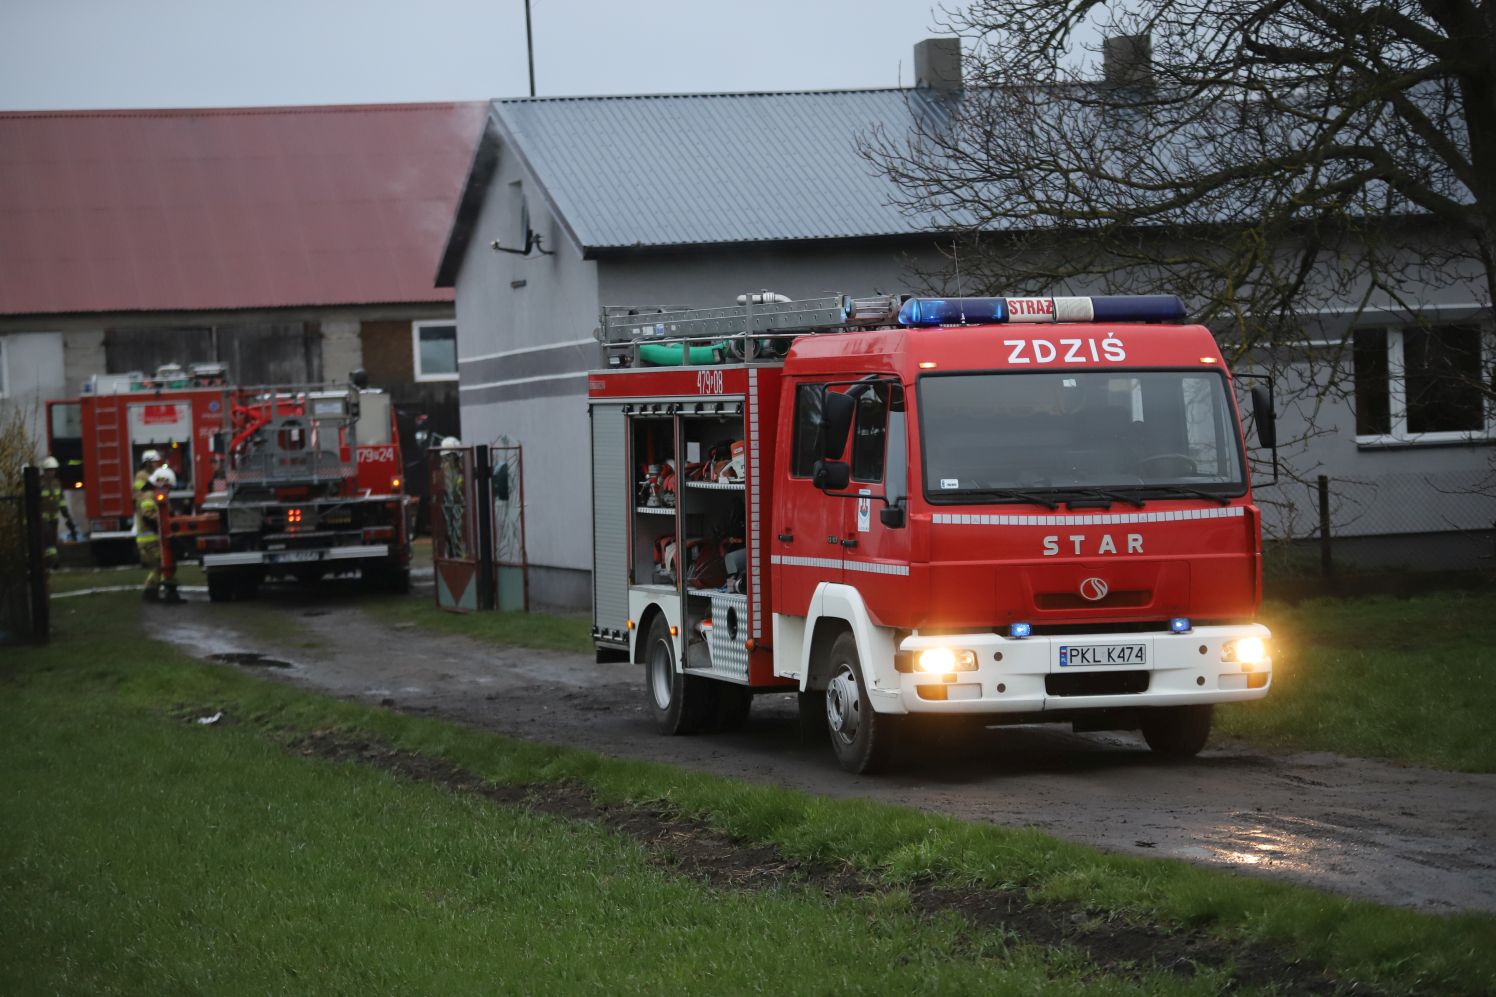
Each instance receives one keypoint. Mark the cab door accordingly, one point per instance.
(876, 555)
(807, 527)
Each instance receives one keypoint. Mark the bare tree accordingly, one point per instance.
(1265, 161)
(1281, 166)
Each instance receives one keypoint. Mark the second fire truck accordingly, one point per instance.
(998, 510)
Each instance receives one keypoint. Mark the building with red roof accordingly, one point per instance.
(293, 244)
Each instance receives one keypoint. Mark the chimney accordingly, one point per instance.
(1127, 61)
(937, 64)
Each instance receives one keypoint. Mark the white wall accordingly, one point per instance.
(32, 374)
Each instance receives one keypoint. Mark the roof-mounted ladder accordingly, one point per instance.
(754, 329)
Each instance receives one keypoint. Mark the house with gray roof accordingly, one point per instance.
(689, 200)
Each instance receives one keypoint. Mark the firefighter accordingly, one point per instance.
(149, 461)
(54, 510)
(150, 503)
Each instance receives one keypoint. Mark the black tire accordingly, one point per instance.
(221, 586)
(247, 584)
(861, 739)
(812, 704)
(681, 704)
(734, 703)
(385, 580)
(1177, 731)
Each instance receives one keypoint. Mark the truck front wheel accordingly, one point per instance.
(681, 704)
(861, 739)
(1177, 731)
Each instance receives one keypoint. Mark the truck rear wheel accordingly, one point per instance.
(734, 703)
(1177, 731)
(220, 586)
(682, 704)
(861, 739)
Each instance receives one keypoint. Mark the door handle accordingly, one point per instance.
(849, 543)
(786, 538)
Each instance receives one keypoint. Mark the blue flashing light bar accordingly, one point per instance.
(1180, 625)
(1018, 631)
(984, 311)
(953, 311)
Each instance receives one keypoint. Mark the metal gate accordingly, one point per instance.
(456, 544)
(24, 609)
(511, 564)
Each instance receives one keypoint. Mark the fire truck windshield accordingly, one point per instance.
(1022, 437)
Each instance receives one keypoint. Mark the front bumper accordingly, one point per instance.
(1022, 676)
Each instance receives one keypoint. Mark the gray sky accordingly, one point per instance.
(62, 54)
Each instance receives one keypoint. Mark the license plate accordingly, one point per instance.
(283, 556)
(1103, 654)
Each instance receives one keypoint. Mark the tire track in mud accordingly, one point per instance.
(689, 847)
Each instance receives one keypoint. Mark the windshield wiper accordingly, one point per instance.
(1105, 494)
(1004, 493)
(1187, 490)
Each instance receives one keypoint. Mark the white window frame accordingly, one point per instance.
(415, 348)
(1397, 398)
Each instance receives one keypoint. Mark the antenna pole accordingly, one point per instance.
(530, 48)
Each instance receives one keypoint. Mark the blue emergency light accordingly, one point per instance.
(1018, 631)
(1180, 625)
(984, 311)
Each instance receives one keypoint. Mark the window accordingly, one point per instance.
(435, 350)
(1421, 385)
(1002, 437)
(870, 434)
(807, 429)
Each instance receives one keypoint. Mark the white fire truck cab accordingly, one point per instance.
(1000, 510)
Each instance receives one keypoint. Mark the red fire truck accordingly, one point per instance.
(295, 481)
(101, 437)
(310, 486)
(990, 510)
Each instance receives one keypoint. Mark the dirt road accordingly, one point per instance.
(1411, 837)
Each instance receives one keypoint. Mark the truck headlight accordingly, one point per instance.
(1245, 650)
(944, 660)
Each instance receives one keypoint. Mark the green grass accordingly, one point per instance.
(79, 579)
(539, 630)
(1409, 680)
(146, 854)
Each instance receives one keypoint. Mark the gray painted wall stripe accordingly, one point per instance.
(573, 385)
(568, 359)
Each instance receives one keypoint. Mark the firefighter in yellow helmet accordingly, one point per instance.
(54, 509)
(148, 539)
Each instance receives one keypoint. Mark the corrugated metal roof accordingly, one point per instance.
(227, 208)
(716, 168)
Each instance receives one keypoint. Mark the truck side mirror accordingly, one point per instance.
(831, 475)
(836, 423)
(892, 517)
(1265, 418)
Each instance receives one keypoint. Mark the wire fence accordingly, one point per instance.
(1441, 521)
